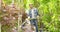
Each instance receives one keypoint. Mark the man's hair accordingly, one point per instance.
(30, 4)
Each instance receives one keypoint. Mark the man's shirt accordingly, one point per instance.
(33, 13)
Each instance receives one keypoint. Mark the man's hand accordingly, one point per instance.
(28, 18)
(37, 17)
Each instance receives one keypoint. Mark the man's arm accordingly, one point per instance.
(28, 14)
(37, 13)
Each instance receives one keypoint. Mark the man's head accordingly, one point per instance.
(31, 6)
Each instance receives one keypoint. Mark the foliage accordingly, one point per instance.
(49, 11)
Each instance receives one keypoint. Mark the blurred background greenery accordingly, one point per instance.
(49, 11)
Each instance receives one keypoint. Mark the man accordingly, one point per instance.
(32, 15)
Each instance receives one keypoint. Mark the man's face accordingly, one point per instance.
(31, 5)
